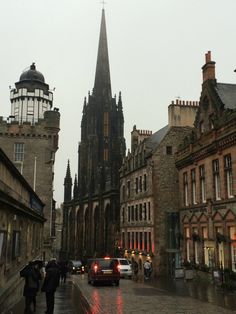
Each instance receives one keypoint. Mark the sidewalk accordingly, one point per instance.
(68, 299)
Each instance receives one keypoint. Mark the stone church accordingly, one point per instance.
(91, 215)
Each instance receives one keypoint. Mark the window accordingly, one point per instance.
(168, 150)
(193, 186)
(204, 233)
(145, 211)
(136, 185)
(2, 245)
(123, 192)
(132, 240)
(185, 189)
(141, 240)
(123, 215)
(16, 244)
(123, 239)
(149, 211)
(132, 213)
(19, 152)
(128, 188)
(202, 128)
(136, 212)
(145, 241)
(140, 212)
(128, 213)
(105, 124)
(145, 182)
(128, 234)
(228, 176)
(216, 178)
(202, 184)
(140, 183)
(150, 241)
(136, 234)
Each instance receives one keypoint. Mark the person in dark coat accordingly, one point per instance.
(51, 282)
(32, 277)
(63, 270)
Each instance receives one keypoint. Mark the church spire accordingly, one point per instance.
(102, 85)
(67, 184)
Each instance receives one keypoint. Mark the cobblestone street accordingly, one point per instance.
(136, 297)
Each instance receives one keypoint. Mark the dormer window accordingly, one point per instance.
(202, 128)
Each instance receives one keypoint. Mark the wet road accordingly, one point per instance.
(156, 297)
(68, 300)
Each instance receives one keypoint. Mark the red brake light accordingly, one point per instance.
(95, 268)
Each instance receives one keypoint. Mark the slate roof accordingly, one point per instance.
(227, 93)
(155, 139)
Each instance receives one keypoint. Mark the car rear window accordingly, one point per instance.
(106, 264)
(124, 262)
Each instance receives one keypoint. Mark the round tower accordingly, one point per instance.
(31, 97)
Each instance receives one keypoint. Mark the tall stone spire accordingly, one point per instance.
(102, 85)
(67, 184)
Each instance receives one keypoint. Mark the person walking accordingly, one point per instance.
(32, 277)
(50, 284)
(63, 270)
(147, 269)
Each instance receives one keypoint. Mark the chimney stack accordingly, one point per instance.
(208, 70)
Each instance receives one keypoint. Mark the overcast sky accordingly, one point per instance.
(156, 51)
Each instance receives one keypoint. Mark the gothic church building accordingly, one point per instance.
(91, 214)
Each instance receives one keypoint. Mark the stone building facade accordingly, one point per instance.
(149, 192)
(29, 137)
(21, 230)
(207, 177)
(91, 218)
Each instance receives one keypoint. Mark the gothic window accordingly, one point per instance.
(228, 175)
(193, 186)
(202, 184)
(19, 152)
(216, 179)
(105, 154)
(128, 188)
(202, 128)
(185, 188)
(132, 240)
(205, 103)
(105, 124)
(123, 192)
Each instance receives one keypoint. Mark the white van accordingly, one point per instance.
(125, 267)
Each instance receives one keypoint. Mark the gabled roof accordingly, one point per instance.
(155, 139)
(227, 94)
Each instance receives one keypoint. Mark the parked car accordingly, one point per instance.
(76, 267)
(103, 270)
(125, 268)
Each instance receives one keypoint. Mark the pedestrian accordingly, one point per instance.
(135, 269)
(147, 269)
(63, 270)
(32, 277)
(50, 284)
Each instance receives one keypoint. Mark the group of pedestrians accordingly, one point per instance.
(147, 267)
(32, 274)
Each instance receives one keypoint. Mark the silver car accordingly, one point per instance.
(124, 267)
